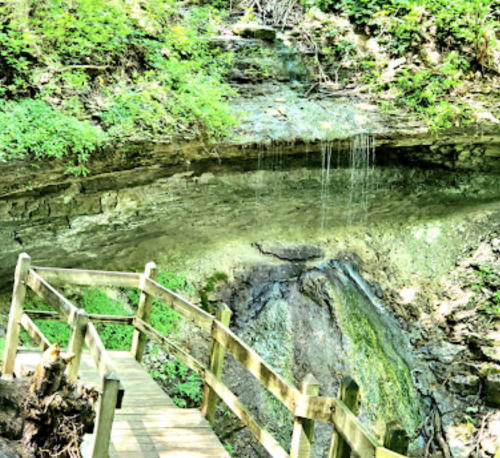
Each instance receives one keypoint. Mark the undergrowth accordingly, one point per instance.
(441, 45)
(98, 72)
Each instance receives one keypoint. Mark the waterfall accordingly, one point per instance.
(362, 161)
(326, 161)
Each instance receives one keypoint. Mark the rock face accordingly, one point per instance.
(254, 30)
(317, 320)
(290, 252)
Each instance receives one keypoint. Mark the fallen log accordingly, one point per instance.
(58, 411)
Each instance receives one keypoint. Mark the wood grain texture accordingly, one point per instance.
(88, 277)
(145, 429)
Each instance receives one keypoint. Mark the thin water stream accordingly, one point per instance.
(212, 207)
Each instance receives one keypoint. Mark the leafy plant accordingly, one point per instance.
(184, 386)
(137, 70)
(31, 127)
(229, 449)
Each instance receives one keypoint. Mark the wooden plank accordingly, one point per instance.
(34, 332)
(38, 315)
(98, 352)
(382, 452)
(51, 296)
(88, 277)
(105, 416)
(303, 429)
(111, 319)
(173, 349)
(16, 312)
(76, 342)
(396, 438)
(362, 443)
(203, 319)
(217, 352)
(143, 312)
(268, 442)
(277, 385)
(349, 394)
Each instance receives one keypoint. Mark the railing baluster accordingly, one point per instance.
(16, 312)
(303, 429)
(105, 416)
(144, 311)
(396, 438)
(349, 394)
(79, 328)
(217, 352)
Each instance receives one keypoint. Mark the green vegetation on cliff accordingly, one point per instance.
(78, 75)
(423, 55)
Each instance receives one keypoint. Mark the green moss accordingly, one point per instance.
(383, 374)
(275, 344)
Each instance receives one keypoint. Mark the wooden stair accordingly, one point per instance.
(149, 424)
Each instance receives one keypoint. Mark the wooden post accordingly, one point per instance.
(16, 312)
(349, 394)
(217, 352)
(105, 416)
(303, 429)
(396, 438)
(76, 341)
(144, 312)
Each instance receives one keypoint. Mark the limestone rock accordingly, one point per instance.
(492, 390)
(254, 30)
(290, 252)
(465, 384)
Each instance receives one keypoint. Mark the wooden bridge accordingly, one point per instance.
(135, 418)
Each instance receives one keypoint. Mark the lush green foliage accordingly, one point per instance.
(35, 127)
(445, 43)
(184, 386)
(114, 337)
(139, 70)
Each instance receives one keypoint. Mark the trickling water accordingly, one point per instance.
(326, 161)
(362, 167)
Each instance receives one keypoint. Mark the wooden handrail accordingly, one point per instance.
(88, 277)
(94, 318)
(34, 332)
(230, 399)
(183, 307)
(330, 410)
(49, 294)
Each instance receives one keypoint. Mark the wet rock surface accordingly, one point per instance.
(290, 252)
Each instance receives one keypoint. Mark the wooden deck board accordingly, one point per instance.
(149, 425)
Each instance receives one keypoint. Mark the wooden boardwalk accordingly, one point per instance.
(149, 424)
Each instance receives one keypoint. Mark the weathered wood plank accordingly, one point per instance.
(217, 352)
(303, 429)
(268, 442)
(51, 296)
(105, 416)
(88, 277)
(144, 311)
(203, 319)
(34, 332)
(76, 342)
(382, 452)
(16, 312)
(362, 443)
(349, 394)
(37, 315)
(98, 352)
(278, 386)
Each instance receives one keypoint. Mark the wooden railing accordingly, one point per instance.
(305, 404)
(83, 330)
